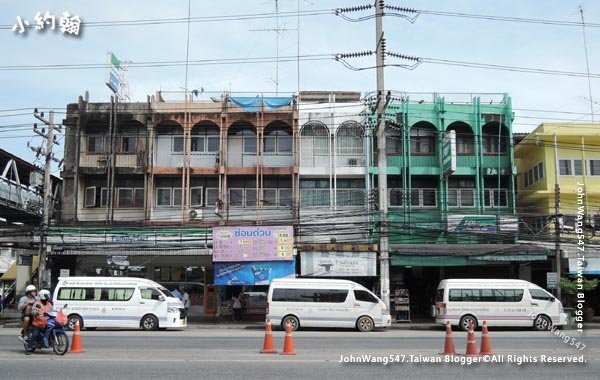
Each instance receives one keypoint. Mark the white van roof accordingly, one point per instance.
(484, 282)
(315, 281)
(106, 280)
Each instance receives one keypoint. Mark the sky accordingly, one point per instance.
(536, 97)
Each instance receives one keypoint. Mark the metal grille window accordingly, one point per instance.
(130, 197)
(196, 196)
(314, 192)
(178, 144)
(395, 197)
(350, 192)
(350, 139)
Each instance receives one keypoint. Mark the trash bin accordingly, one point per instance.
(568, 325)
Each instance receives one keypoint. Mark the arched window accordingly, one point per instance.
(422, 139)
(350, 139)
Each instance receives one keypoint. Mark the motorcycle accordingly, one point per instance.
(54, 334)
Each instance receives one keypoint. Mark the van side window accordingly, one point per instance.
(95, 294)
(310, 295)
(364, 296)
(150, 294)
(439, 295)
(485, 295)
(538, 294)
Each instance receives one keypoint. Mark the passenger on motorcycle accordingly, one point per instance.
(40, 319)
(25, 304)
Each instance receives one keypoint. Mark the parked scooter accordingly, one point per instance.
(54, 333)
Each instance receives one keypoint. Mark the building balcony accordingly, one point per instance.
(492, 160)
(278, 159)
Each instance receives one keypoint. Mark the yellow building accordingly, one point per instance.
(561, 161)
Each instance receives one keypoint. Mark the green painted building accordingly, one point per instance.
(451, 188)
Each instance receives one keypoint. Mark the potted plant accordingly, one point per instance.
(570, 289)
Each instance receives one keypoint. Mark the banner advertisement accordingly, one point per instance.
(253, 272)
(482, 223)
(257, 243)
(338, 264)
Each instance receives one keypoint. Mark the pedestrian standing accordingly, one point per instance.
(1, 303)
(185, 298)
(236, 305)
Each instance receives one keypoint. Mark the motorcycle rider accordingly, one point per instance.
(25, 304)
(40, 320)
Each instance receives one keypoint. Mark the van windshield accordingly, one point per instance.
(166, 292)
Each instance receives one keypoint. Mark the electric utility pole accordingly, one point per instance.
(49, 157)
(384, 256)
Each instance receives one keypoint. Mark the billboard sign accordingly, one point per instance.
(338, 264)
(256, 243)
(253, 272)
(113, 73)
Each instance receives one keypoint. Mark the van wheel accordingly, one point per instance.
(466, 320)
(72, 321)
(364, 324)
(149, 323)
(542, 323)
(292, 320)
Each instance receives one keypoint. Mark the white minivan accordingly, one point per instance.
(307, 302)
(499, 302)
(125, 302)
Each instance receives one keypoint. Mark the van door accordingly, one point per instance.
(543, 302)
(150, 303)
(366, 304)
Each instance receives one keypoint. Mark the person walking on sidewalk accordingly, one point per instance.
(236, 305)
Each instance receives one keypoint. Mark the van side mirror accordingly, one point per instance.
(161, 297)
(552, 299)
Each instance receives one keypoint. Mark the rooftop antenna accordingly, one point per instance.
(587, 63)
(278, 30)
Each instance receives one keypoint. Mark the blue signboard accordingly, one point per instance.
(253, 272)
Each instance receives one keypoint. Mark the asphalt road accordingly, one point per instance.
(233, 354)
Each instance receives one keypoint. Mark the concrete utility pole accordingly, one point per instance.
(384, 258)
(47, 153)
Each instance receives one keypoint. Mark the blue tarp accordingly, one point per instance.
(253, 272)
(252, 104)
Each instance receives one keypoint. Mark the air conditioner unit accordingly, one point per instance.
(195, 214)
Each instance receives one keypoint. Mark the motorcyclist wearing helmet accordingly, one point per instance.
(40, 319)
(25, 304)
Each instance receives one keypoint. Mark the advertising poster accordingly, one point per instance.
(253, 272)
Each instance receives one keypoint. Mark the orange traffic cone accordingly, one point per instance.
(268, 345)
(449, 342)
(486, 344)
(76, 346)
(288, 342)
(471, 342)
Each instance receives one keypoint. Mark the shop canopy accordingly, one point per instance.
(11, 273)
